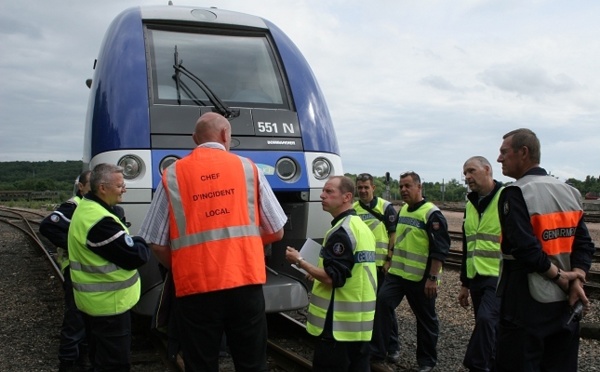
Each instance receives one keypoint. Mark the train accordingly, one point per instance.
(160, 67)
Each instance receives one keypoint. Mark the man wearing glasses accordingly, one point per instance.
(104, 259)
(422, 244)
(380, 215)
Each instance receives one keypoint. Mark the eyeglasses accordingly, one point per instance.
(364, 177)
(121, 186)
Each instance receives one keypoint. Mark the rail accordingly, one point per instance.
(28, 195)
(23, 224)
(283, 329)
(146, 348)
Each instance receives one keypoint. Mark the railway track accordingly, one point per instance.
(16, 218)
(146, 353)
(588, 216)
(592, 217)
(592, 287)
(289, 345)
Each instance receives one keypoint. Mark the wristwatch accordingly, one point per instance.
(433, 278)
(555, 279)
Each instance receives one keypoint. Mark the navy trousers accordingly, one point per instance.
(72, 333)
(393, 345)
(481, 350)
(336, 356)
(533, 336)
(390, 295)
(109, 339)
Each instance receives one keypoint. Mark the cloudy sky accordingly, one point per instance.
(411, 85)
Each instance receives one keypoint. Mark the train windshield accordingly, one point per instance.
(240, 69)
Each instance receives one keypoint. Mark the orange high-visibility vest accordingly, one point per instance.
(214, 222)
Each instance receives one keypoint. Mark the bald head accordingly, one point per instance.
(212, 127)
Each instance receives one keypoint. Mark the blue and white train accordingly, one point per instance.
(159, 68)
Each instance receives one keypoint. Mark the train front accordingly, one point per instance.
(160, 68)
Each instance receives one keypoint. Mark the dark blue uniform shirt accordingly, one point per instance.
(119, 251)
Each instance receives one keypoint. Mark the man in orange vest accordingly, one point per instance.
(547, 251)
(208, 222)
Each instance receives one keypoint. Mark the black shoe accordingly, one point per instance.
(381, 365)
(393, 357)
(425, 369)
(83, 366)
(83, 363)
(67, 366)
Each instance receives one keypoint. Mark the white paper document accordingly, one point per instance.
(310, 252)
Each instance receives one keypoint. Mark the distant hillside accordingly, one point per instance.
(39, 176)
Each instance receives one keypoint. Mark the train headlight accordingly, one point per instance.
(132, 166)
(321, 168)
(166, 162)
(286, 169)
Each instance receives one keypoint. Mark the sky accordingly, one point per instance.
(410, 85)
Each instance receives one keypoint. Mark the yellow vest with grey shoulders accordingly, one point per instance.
(101, 288)
(377, 227)
(353, 304)
(411, 250)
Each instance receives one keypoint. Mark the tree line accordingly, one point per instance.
(40, 176)
(456, 191)
(60, 176)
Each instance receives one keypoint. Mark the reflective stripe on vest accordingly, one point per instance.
(62, 255)
(555, 211)
(483, 239)
(377, 227)
(411, 250)
(217, 212)
(100, 287)
(354, 303)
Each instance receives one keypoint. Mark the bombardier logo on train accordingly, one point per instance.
(159, 68)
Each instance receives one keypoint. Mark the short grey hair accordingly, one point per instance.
(101, 174)
(483, 161)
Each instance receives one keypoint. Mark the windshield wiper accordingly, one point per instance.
(220, 106)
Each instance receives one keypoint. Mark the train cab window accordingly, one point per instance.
(240, 69)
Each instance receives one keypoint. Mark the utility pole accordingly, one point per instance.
(387, 195)
(443, 190)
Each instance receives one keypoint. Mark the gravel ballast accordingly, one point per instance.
(31, 313)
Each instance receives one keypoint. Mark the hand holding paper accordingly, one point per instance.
(309, 252)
